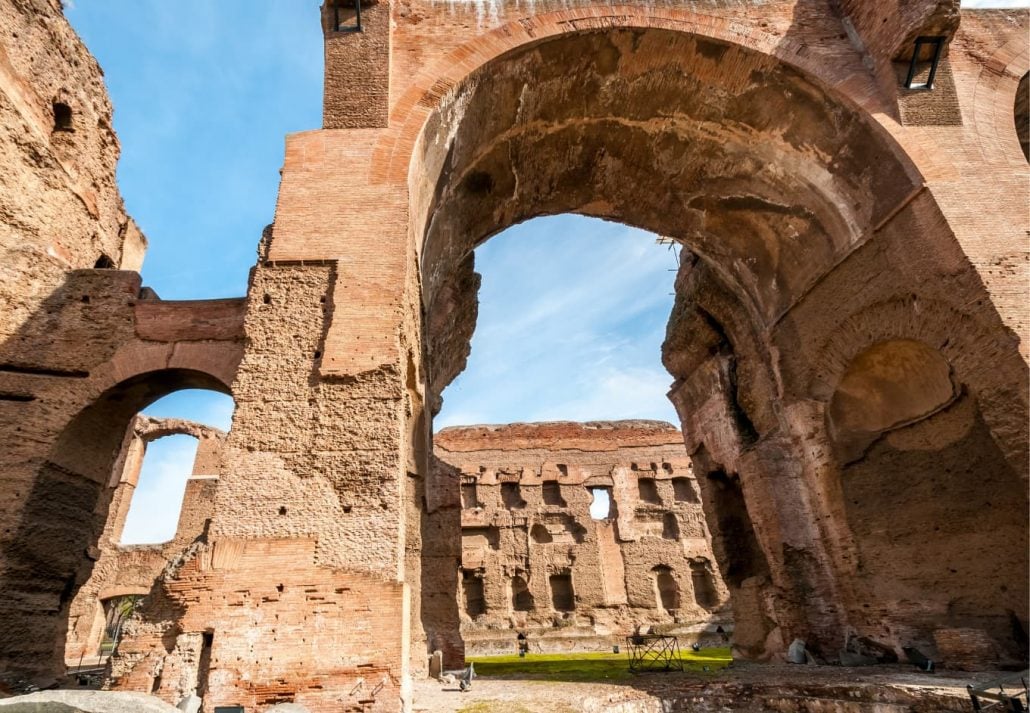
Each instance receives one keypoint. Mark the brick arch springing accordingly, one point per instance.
(49, 554)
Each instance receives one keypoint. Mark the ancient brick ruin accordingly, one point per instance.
(534, 561)
(131, 570)
(847, 352)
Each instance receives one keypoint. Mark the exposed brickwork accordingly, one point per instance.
(828, 224)
(133, 570)
(648, 565)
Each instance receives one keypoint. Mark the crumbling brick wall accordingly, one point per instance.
(535, 562)
(120, 569)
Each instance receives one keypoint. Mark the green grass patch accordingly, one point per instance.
(492, 707)
(586, 666)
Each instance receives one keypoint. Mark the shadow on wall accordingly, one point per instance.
(81, 368)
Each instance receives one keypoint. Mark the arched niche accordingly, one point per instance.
(936, 511)
(890, 384)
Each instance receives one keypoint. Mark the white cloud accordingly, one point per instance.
(994, 4)
(572, 317)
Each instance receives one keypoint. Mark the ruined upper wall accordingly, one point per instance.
(60, 208)
(558, 436)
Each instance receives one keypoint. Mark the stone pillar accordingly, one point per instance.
(763, 522)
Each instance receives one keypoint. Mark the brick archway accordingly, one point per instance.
(778, 221)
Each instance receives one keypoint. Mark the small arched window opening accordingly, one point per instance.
(666, 589)
(104, 263)
(63, 117)
(157, 498)
(165, 465)
(521, 597)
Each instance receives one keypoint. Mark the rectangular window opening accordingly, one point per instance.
(922, 69)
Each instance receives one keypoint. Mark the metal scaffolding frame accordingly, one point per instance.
(653, 652)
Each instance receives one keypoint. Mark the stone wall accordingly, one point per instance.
(535, 562)
(122, 570)
(836, 257)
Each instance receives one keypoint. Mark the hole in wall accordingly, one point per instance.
(666, 588)
(647, 489)
(670, 527)
(63, 117)
(479, 183)
(563, 596)
(472, 587)
(470, 495)
(601, 503)
(521, 597)
(683, 491)
(511, 496)
(703, 579)
(552, 494)
(104, 263)
(540, 534)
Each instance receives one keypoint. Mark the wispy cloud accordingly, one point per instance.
(572, 317)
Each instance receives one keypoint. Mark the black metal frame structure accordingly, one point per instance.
(938, 43)
(653, 652)
(357, 18)
(993, 696)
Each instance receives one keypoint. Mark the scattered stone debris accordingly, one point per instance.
(86, 702)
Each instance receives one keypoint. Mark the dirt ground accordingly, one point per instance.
(744, 688)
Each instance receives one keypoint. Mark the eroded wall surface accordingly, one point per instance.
(122, 570)
(83, 346)
(847, 350)
(534, 561)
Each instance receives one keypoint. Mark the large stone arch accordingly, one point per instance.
(797, 209)
(51, 553)
(328, 465)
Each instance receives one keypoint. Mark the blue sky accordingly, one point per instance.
(572, 310)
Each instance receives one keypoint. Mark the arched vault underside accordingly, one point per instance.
(809, 239)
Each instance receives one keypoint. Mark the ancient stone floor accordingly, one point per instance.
(784, 689)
